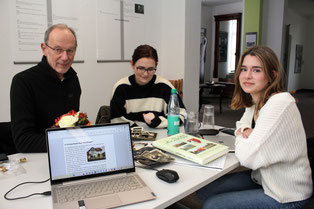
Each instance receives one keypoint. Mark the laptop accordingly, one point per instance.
(85, 162)
(225, 140)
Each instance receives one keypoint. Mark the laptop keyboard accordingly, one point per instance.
(99, 188)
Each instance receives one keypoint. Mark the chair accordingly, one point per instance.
(215, 91)
(6, 142)
(310, 153)
(103, 115)
(178, 84)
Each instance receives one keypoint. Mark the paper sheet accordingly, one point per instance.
(219, 163)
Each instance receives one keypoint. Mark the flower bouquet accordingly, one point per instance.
(72, 119)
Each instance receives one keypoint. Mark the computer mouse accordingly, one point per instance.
(167, 175)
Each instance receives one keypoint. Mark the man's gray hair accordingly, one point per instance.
(61, 26)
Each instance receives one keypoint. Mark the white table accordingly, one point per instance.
(191, 179)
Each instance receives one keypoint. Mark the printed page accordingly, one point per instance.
(217, 164)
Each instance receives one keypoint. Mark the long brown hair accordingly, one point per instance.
(272, 70)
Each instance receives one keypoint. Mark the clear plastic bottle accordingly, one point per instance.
(173, 114)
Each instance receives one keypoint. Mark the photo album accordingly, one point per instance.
(192, 148)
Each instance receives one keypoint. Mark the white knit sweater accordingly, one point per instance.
(276, 150)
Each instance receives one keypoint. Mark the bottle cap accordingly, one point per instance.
(173, 91)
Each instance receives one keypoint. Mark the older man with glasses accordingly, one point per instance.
(142, 97)
(44, 92)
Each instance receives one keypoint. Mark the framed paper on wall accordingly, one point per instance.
(250, 39)
(298, 58)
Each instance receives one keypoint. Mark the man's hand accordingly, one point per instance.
(148, 117)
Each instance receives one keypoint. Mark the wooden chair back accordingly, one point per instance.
(7, 145)
(178, 84)
(103, 115)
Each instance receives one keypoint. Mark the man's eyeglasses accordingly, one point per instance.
(59, 51)
(148, 70)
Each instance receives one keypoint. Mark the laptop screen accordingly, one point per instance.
(89, 150)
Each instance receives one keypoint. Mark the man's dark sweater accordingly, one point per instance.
(38, 97)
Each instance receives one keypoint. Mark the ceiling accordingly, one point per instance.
(301, 7)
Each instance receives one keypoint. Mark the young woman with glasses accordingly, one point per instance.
(143, 96)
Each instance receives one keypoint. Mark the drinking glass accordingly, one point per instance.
(208, 117)
(191, 124)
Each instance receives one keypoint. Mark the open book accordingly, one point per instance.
(198, 150)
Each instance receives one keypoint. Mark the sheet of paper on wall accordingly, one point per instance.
(29, 22)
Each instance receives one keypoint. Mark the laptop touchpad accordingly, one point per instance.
(103, 202)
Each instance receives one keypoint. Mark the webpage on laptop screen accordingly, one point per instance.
(85, 151)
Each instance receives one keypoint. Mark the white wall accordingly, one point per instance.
(166, 31)
(217, 10)
(7, 70)
(172, 38)
(180, 43)
(192, 54)
(300, 30)
(272, 25)
(275, 16)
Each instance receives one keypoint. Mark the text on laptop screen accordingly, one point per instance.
(90, 150)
